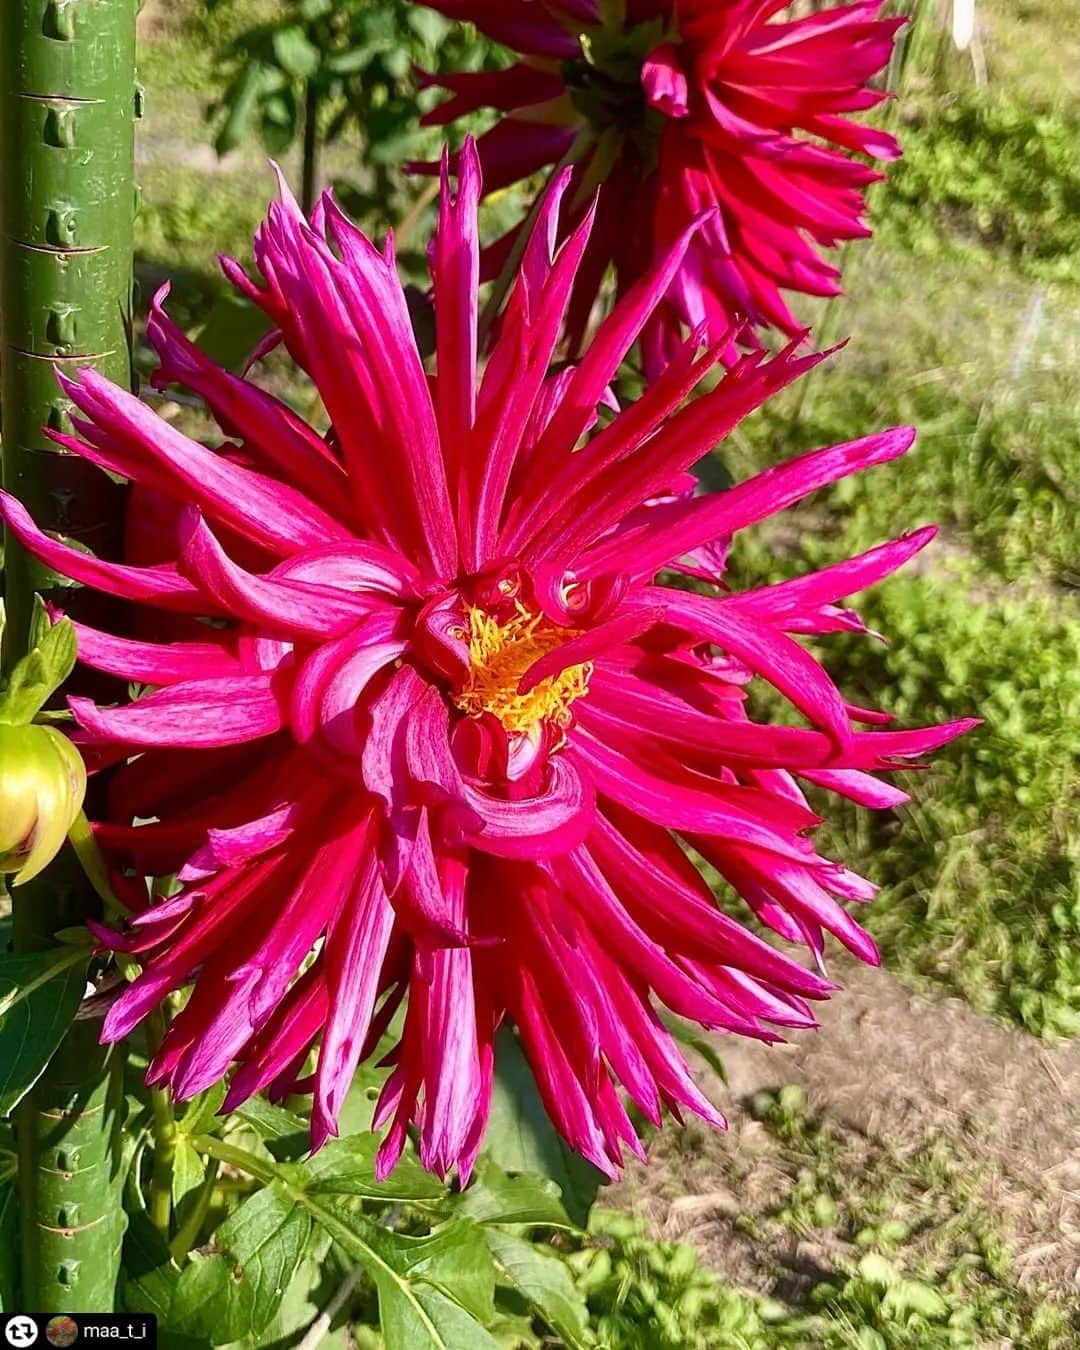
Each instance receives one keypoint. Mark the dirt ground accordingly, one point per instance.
(894, 1073)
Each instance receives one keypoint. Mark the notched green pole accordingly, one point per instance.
(67, 107)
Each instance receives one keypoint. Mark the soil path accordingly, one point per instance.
(892, 1070)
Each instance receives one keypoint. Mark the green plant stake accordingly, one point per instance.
(67, 108)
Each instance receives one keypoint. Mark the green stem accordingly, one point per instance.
(309, 169)
(71, 1220)
(188, 1233)
(164, 1134)
(260, 1168)
(67, 96)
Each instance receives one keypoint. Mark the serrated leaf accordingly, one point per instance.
(455, 1259)
(429, 1288)
(39, 994)
(347, 1167)
(312, 1287)
(494, 1197)
(521, 1138)
(544, 1282)
(38, 675)
(235, 1291)
(427, 1320)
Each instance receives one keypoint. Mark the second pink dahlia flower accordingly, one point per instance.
(434, 728)
(667, 107)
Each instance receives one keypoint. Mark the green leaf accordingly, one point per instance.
(425, 1319)
(232, 330)
(201, 1110)
(544, 1282)
(454, 1258)
(348, 63)
(295, 53)
(347, 1167)
(235, 1291)
(40, 623)
(689, 1035)
(521, 1138)
(494, 1197)
(148, 1275)
(9, 1227)
(38, 675)
(431, 1290)
(915, 1296)
(274, 137)
(81, 839)
(188, 1172)
(430, 27)
(39, 994)
(241, 100)
(285, 1135)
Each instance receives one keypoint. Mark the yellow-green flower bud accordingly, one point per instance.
(42, 784)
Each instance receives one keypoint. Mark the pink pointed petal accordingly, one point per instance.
(162, 586)
(199, 713)
(356, 948)
(552, 822)
(787, 599)
(154, 663)
(131, 439)
(289, 608)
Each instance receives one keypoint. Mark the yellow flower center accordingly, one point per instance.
(500, 654)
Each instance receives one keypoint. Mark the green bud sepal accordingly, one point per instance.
(42, 775)
(42, 785)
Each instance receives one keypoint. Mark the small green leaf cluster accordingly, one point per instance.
(645, 1294)
(353, 59)
(919, 1263)
(982, 873)
(49, 660)
(987, 174)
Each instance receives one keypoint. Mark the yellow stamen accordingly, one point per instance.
(500, 654)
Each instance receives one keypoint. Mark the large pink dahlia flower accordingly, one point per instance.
(430, 726)
(671, 106)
